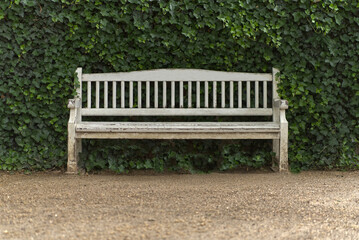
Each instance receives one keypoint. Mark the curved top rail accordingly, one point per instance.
(177, 75)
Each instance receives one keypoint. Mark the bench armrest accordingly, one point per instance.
(74, 106)
(279, 109)
(281, 104)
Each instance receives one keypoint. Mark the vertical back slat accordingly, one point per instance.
(223, 91)
(231, 94)
(97, 94)
(189, 94)
(139, 94)
(206, 94)
(105, 94)
(198, 96)
(173, 91)
(239, 94)
(122, 94)
(131, 94)
(148, 94)
(214, 94)
(164, 95)
(256, 97)
(181, 94)
(156, 94)
(265, 94)
(88, 94)
(114, 89)
(248, 94)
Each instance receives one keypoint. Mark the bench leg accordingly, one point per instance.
(275, 161)
(72, 150)
(283, 148)
(79, 145)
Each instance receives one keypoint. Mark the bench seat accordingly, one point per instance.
(177, 127)
(172, 93)
(178, 130)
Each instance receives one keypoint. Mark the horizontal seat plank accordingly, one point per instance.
(194, 127)
(177, 135)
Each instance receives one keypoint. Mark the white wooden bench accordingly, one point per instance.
(178, 92)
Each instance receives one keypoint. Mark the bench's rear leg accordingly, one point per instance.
(79, 145)
(276, 151)
(72, 150)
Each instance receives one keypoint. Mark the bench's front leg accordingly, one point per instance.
(73, 144)
(280, 146)
(72, 150)
(283, 141)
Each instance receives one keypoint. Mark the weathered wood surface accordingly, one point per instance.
(72, 143)
(282, 105)
(79, 83)
(178, 135)
(177, 112)
(275, 76)
(176, 96)
(177, 127)
(179, 103)
(170, 75)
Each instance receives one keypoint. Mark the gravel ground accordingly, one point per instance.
(259, 205)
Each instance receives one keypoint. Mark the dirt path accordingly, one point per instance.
(310, 205)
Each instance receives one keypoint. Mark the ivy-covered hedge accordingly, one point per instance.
(314, 43)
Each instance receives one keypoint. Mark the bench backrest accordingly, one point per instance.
(177, 92)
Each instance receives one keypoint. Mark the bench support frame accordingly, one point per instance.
(74, 145)
(280, 138)
(280, 146)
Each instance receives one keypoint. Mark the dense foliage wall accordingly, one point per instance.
(314, 43)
